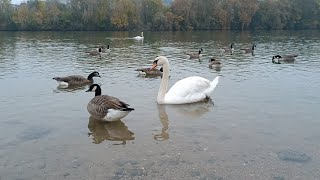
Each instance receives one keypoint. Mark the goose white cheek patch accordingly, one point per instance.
(94, 89)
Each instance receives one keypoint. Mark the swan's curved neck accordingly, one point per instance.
(164, 83)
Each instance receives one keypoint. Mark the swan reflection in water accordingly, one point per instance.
(164, 135)
(112, 131)
(194, 110)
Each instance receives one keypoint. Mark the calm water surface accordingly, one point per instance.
(259, 110)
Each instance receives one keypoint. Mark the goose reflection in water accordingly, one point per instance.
(111, 131)
(194, 110)
(74, 88)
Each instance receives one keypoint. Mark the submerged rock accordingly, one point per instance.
(278, 178)
(211, 177)
(33, 133)
(195, 173)
(295, 156)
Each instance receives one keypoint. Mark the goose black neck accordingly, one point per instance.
(98, 91)
(90, 77)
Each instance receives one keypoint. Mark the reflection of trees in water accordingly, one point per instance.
(191, 110)
(112, 131)
(8, 62)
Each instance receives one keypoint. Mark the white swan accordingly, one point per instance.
(188, 90)
(139, 37)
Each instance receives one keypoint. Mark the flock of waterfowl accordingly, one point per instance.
(188, 90)
(213, 62)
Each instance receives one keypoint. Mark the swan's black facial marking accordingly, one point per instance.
(155, 62)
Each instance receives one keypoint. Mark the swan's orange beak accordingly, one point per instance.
(153, 66)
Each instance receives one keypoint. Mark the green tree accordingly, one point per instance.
(152, 13)
(21, 16)
(246, 10)
(5, 14)
(124, 15)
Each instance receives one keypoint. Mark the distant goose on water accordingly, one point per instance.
(74, 80)
(105, 50)
(95, 53)
(228, 49)
(249, 50)
(284, 59)
(194, 55)
(150, 72)
(214, 63)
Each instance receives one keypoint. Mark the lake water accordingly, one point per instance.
(263, 121)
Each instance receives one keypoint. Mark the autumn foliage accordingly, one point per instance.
(155, 15)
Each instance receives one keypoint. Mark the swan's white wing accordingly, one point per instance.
(188, 90)
(138, 37)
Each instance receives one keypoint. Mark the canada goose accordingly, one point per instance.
(284, 58)
(194, 55)
(139, 37)
(228, 49)
(106, 108)
(150, 72)
(105, 50)
(249, 50)
(95, 53)
(213, 62)
(75, 80)
(194, 52)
